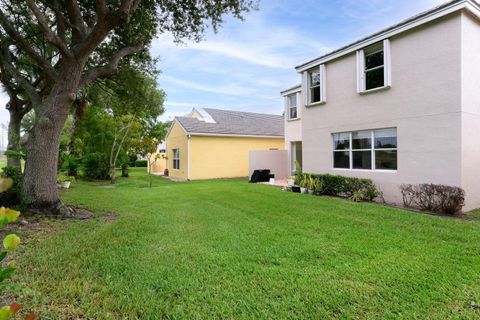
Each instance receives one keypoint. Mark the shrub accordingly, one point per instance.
(433, 198)
(96, 166)
(12, 197)
(141, 163)
(347, 187)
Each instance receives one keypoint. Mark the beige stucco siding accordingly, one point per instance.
(293, 128)
(158, 162)
(471, 110)
(424, 104)
(177, 139)
(225, 157)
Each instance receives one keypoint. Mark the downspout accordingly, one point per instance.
(188, 156)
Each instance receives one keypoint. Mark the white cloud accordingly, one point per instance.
(234, 90)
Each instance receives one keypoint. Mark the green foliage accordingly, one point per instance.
(353, 188)
(310, 183)
(127, 105)
(15, 154)
(61, 178)
(96, 166)
(10, 243)
(298, 167)
(141, 163)
(12, 197)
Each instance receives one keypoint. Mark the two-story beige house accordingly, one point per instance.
(400, 106)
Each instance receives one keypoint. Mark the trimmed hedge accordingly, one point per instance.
(141, 163)
(339, 186)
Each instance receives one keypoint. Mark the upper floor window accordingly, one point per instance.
(292, 106)
(315, 83)
(366, 150)
(373, 67)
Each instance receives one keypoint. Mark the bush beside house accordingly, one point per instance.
(339, 186)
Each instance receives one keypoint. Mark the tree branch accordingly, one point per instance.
(76, 19)
(23, 44)
(106, 21)
(7, 63)
(49, 34)
(111, 68)
(101, 9)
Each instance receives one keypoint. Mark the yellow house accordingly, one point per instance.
(212, 143)
(158, 160)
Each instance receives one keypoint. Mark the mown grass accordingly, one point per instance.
(229, 249)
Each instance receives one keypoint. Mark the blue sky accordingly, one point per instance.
(247, 64)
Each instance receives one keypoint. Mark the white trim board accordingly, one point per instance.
(411, 23)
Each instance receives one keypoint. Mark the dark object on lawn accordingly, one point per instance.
(261, 176)
(296, 189)
(165, 172)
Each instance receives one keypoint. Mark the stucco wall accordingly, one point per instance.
(274, 160)
(293, 128)
(424, 104)
(159, 163)
(225, 157)
(471, 110)
(177, 139)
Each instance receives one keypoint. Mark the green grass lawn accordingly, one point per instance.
(229, 249)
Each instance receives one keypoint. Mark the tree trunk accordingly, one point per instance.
(113, 176)
(40, 183)
(14, 136)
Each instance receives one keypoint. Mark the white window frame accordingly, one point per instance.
(289, 106)
(372, 149)
(361, 71)
(176, 157)
(308, 87)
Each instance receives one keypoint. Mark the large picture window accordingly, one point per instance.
(176, 159)
(365, 150)
(373, 67)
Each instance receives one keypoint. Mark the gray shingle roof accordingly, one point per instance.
(235, 123)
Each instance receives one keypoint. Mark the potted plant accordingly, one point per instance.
(64, 181)
(303, 184)
(311, 185)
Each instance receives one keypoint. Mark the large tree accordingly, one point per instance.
(86, 40)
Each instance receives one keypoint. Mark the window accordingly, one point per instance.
(385, 142)
(176, 159)
(292, 106)
(315, 82)
(373, 67)
(365, 150)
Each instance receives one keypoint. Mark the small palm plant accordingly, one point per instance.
(310, 184)
(318, 186)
